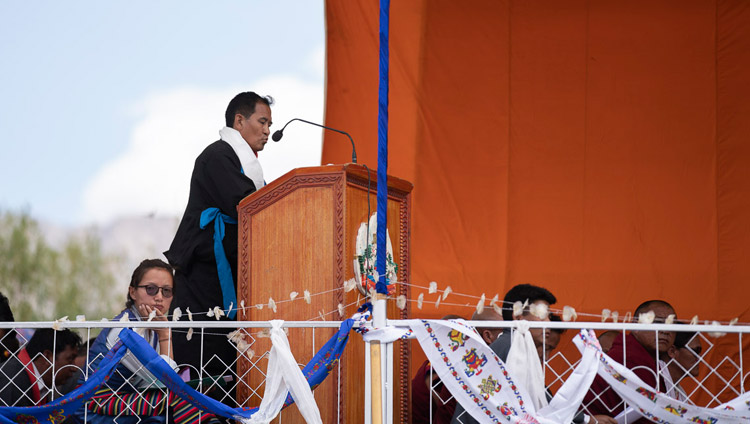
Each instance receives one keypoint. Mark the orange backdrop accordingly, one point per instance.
(600, 149)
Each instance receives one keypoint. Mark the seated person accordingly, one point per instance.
(488, 334)
(682, 360)
(640, 352)
(130, 395)
(27, 378)
(8, 342)
(501, 346)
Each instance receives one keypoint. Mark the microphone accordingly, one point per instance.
(280, 133)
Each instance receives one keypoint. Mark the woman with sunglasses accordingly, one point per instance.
(132, 394)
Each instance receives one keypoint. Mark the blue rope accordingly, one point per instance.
(381, 285)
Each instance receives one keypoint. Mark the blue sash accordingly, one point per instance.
(222, 264)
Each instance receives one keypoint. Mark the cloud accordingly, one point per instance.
(153, 175)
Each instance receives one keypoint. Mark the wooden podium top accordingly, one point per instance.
(354, 172)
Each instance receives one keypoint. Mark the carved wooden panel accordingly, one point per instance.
(297, 234)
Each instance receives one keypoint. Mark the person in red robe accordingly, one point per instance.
(639, 351)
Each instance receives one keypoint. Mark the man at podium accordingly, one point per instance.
(204, 250)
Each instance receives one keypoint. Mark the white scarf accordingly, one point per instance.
(283, 376)
(523, 359)
(250, 164)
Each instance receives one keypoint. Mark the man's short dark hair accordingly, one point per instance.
(682, 338)
(46, 339)
(522, 293)
(244, 104)
(643, 307)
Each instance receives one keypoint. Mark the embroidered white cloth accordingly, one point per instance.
(660, 407)
(482, 383)
(489, 391)
(472, 372)
(564, 405)
(487, 388)
(284, 376)
(250, 163)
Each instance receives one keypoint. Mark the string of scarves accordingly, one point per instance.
(314, 373)
(647, 402)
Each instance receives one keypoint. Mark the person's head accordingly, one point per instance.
(8, 341)
(489, 335)
(533, 295)
(152, 284)
(553, 339)
(525, 293)
(61, 347)
(684, 355)
(607, 338)
(648, 339)
(250, 114)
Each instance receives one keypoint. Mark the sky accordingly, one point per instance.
(104, 105)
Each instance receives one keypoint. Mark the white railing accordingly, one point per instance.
(721, 375)
(244, 375)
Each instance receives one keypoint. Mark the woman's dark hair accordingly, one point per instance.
(141, 270)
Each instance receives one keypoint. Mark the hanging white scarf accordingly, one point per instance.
(283, 376)
(250, 163)
(523, 360)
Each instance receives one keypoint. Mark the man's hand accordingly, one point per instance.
(602, 419)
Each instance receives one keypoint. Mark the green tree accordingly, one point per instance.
(44, 283)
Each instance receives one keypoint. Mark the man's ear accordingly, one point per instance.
(486, 336)
(237, 124)
(672, 351)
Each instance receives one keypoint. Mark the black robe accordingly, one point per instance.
(217, 181)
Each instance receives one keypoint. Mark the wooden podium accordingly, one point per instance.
(298, 233)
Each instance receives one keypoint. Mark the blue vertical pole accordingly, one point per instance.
(380, 285)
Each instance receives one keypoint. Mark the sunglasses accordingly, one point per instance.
(152, 290)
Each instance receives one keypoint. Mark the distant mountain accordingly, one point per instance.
(126, 241)
(133, 239)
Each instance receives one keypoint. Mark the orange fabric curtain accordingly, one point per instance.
(599, 149)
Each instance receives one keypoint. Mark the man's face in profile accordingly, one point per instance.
(256, 128)
(687, 357)
(538, 334)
